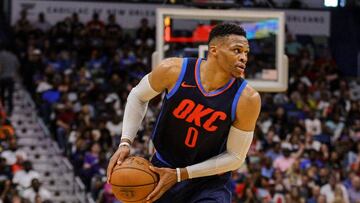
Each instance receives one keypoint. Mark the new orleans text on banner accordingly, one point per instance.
(129, 15)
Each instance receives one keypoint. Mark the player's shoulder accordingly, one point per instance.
(248, 109)
(170, 67)
(166, 73)
(249, 96)
(171, 64)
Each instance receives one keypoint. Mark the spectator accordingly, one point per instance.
(9, 65)
(95, 24)
(10, 153)
(339, 196)
(7, 132)
(96, 62)
(5, 170)
(106, 195)
(315, 193)
(354, 190)
(249, 196)
(5, 180)
(24, 177)
(334, 190)
(105, 140)
(91, 164)
(115, 127)
(42, 24)
(321, 199)
(75, 23)
(36, 193)
(33, 67)
(312, 124)
(113, 35)
(294, 196)
(113, 28)
(65, 118)
(336, 126)
(60, 35)
(286, 161)
(292, 47)
(90, 70)
(23, 25)
(144, 32)
(267, 170)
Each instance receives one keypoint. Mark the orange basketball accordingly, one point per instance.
(133, 181)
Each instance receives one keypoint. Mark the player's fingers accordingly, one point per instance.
(155, 191)
(155, 169)
(123, 151)
(121, 158)
(111, 165)
(157, 196)
(110, 168)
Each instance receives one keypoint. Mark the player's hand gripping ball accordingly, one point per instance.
(133, 181)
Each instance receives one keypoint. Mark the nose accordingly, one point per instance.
(243, 57)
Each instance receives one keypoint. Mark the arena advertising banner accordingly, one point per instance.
(129, 15)
(302, 22)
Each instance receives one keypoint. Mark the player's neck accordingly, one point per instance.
(212, 77)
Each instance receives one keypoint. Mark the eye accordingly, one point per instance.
(236, 51)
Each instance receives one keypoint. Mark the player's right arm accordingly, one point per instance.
(162, 78)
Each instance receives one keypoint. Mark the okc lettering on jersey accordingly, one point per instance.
(192, 113)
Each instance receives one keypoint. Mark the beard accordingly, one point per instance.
(238, 74)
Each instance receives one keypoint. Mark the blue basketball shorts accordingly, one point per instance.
(210, 189)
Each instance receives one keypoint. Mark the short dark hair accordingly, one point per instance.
(226, 29)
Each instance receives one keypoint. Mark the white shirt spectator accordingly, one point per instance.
(30, 194)
(313, 126)
(305, 80)
(330, 194)
(43, 86)
(43, 26)
(12, 157)
(115, 129)
(323, 106)
(354, 90)
(23, 178)
(265, 124)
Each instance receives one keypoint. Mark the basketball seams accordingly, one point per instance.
(134, 185)
(139, 170)
(137, 200)
(136, 166)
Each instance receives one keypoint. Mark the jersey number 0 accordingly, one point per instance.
(191, 137)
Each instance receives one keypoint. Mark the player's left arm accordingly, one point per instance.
(238, 143)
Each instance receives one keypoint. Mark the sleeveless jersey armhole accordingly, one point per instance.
(236, 100)
(179, 80)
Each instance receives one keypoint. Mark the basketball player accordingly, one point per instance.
(206, 123)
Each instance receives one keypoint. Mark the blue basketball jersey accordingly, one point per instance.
(193, 124)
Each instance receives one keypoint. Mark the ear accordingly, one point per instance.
(212, 50)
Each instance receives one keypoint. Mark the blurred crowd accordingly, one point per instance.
(19, 182)
(306, 146)
(79, 75)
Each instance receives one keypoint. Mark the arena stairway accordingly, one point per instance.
(35, 140)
